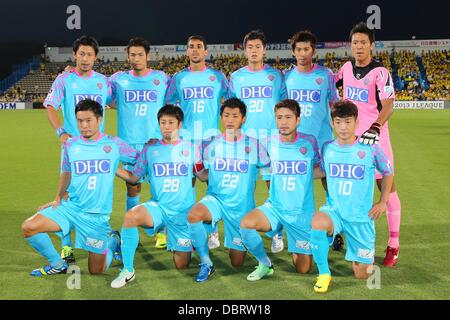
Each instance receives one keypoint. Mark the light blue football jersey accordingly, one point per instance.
(69, 88)
(261, 91)
(199, 94)
(291, 174)
(138, 100)
(170, 170)
(93, 166)
(314, 91)
(233, 170)
(350, 171)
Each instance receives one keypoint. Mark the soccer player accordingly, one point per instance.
(294, 160)
(199, 90)
(350, 167)
(260, 87)
(231, 161)
(169, 165)
(369, 85)
(88, 168)
(139, 94)
(67, 90)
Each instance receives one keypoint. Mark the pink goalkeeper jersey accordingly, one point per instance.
(366, 87)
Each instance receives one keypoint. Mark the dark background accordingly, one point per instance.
(26, 25)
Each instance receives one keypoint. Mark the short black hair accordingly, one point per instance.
(85, 41)
(254, 35)
(363, 28)
(89, 105)
(234, 103)
(303, 36)
(171, 110)
(289, 104)
(344, 109)
(139, 42)
(197, 37)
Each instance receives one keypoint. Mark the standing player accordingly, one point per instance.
(169, 165)
(70, 88)
(89, 165)
(199, 90)
(350, 167)
(369, 85)
(139, 94)
(231, 161)
(294, 159)
(260, 87)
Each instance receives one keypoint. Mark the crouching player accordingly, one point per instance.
(349, 167)
(295, 161)
(89, 165)
(169, 165)
(232, 160)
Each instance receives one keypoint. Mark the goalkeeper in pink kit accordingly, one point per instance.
(369, 85)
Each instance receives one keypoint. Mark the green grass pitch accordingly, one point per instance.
(421, 139)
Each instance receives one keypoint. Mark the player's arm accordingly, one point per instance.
(202, 175)
(318, 173)
(379, 207)
(64, 182)
(52, 116)
(127, 176)
(386, 111)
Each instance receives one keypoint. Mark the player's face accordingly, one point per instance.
(232, 119)
(85, 58)
(196, 51)
(345, 127)
(304, 53)
(254, 51)
(88, 123)
(287, 121)
(361, 47)
(137, 57)
(169, 126)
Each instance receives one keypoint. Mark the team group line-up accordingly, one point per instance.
(199, 125)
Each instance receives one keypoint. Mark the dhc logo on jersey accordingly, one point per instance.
(96, 97)
(305, 95)
(357, 94)
(231, 165)
(92, 166)
(141, 95)
(347, 171)
(170, 169)
(198, 93)
(256, 92)
(290, 167)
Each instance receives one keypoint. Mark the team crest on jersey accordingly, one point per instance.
(319, 81)
(107, 149)
(185, 152)
(366, 82)
(303, 150)
(361, 154)
(100, 85)
(212, 78)
(270, 77)
(156, 82)
(248, 149)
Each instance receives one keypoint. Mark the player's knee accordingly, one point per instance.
(319, 222)
(237, 264)
(179, 265)
(360, 273)
(248, 223)
(130, 220)
(97, 270)
(28, 230)
(194, 216)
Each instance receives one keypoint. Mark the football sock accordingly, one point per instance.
(319, 248)
(130, 240)
(112, 245)
(132, 202)
(393, 214)
(42, 243)
(253, 242)
(66, 240)
(199, 236)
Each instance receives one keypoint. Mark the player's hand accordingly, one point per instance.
(377, 210)
(64, 137)
(69, 69)
(371, 136)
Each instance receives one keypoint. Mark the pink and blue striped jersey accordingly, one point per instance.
(199, 94)
(291, 174)
(261, 91)
(170, 170)
(315, 91)
(138, 100)
(93, 166)
(233, 170)
(350, 170)
(69, 88)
